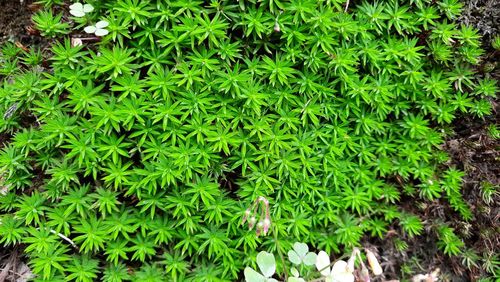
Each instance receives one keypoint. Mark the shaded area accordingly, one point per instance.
(473, 149)
(483, 15)
(15, 18)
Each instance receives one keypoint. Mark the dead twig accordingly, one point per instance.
(64, 238)
(11, 264)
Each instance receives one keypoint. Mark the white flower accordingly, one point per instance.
(76, 42)
(99, 29)
(79, 10)
(340, 271)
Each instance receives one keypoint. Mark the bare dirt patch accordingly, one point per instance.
(15, 17)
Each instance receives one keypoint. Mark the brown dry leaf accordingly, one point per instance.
(429, 277)
(24, 273)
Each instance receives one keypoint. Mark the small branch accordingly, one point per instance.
(346, 6)
(11, 264)
(64, 238)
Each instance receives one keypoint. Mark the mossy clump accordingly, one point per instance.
(145, 148)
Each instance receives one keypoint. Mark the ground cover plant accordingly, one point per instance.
(134, 151)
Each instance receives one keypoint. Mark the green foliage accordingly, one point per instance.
(491, 263)
(50, 3)
(489, 191)
(50, 25)
(449, 242)
(495, 43)
(411, 225)
(145, 148)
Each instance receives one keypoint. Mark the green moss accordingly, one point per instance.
(146, 148)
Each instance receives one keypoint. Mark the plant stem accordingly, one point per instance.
(280, 253)
(64, 238)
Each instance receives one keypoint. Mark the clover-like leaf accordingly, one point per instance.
(99, 29)
(294, 272)
(79, 10)
(309, 259)
(293, 257)
(323, 263)
(266, 263)
(253, 276)
(300, 254)
(300, 248)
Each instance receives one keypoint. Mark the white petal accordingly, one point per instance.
(101, 32)
(374, 265)
(309, 259)
(90, 29)
(101, 24)
(266, 263)
(344, 277)
(301, 249)
(293, 257)
(76, 6)
(329, 279)
(322, 261)
(77, 13)
(87, 8)
(253, 276)
(294, 272)
(340, 267)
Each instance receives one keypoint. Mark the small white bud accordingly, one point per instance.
(251, 222)
(374, 265)
(260, 225)
(350, 264)
(76, 42)
(277, 27)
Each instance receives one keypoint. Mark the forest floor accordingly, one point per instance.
(474, 150)
(470, 145)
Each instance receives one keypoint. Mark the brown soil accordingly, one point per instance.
(15, 17)
(483, 15)
(473, 150)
